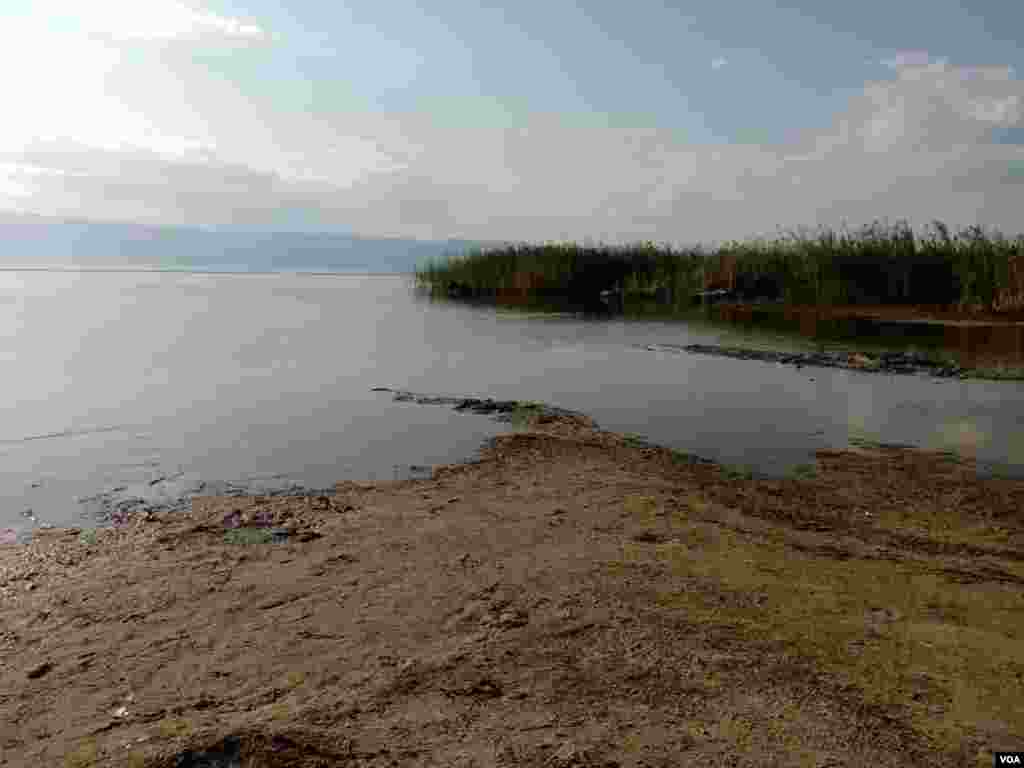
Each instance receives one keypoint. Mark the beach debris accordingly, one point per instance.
(123, 711)
(482, 688)
(8, 536)
(124, 510)
(39, 670)
(570, 755)
(252, 535)
(466, 560)
(228, 754)
(858, 360)
(511, 619)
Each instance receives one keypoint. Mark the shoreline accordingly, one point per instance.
(570, 598)
(886, 362)
(114, 508)
(986, 366)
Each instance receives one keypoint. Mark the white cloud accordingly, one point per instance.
(163, 145)
(69, 99)
(126, 20)
(718, 63)
(938, 104)
(94, 113)
(914, 147)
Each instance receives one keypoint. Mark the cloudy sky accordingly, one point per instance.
(525, 120)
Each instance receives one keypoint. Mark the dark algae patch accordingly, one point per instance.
(506, 411)
(886, 362)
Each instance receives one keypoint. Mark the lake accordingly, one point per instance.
(147, 385)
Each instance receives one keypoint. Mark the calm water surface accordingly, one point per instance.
(155, 383)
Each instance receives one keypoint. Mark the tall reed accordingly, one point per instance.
(880, 263)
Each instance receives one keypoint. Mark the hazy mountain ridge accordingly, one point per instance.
(36, 241)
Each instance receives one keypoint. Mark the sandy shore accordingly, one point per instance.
(570, 599)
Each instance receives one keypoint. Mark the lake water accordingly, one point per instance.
(153, 383)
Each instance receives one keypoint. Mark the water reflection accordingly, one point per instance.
(969, 343)
(695, 402)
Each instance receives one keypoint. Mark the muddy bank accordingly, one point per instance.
(569, 599)
(886, 362)
(119, 505)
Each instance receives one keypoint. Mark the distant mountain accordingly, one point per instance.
(36, 241)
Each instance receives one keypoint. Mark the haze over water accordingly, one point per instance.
(154, 383)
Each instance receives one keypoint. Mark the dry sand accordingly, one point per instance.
(573, 598)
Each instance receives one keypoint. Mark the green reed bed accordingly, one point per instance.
(559, 269)
(876, 264)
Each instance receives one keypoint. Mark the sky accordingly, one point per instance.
(609, 121)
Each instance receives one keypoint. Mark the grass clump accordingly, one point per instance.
(171, 727)
(737, 472)
(526, 412)
(87, 537)
(684, 457)
(634, 440)
(998, 372)
(948, 654)
(84, 756)
(249, 536)
(805, 471)
(644, 507)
